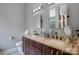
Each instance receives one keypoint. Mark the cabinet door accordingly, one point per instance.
(48, 50)
(37, 45)
(43, 50)
(31, 51)
(37, 48)
(30, 48)
(37, 51)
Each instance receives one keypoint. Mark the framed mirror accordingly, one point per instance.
(57, 16)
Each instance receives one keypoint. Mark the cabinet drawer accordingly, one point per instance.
(31, 50)
(37, 45)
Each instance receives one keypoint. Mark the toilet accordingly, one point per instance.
(19, 46)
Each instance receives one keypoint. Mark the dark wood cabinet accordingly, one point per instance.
(49, 50)
(31, 47)
(25, 45)
(37, 51)
(37, 47)
(46, 50)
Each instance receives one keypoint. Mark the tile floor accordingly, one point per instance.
(13, 51)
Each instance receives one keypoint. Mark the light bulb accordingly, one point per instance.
(33, 10)
(39, 7)
(49, 3)
(36, 9)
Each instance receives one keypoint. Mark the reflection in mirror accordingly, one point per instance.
(63, 16)
(58, 16)
(38, 21)
(52, 18)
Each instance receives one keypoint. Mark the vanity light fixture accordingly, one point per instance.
(37, 9)
(50, 3)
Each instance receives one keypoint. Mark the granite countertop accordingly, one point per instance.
(58, 44)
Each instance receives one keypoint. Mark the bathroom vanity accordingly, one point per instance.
(36, 45)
